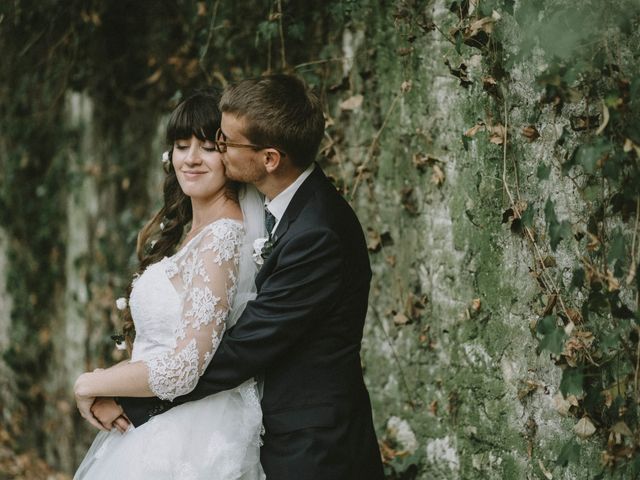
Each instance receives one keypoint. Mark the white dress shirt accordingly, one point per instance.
(278, 204)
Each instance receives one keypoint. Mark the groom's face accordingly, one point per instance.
(241, 164)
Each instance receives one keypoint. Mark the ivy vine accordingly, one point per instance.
(587, 318)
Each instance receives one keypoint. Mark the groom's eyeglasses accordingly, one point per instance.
(222, 144)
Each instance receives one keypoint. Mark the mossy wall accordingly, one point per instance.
(440, 115)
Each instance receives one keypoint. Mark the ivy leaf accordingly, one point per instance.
(589, 155)
(570, 452)
(571, 383)
(611, 340)
(616, 247)
(527, 217)
(617, 306)
(543, 171)
(557, 232)
(553, 336)
(459, 38)
(611, 168)
(577, 281)
(550, 212)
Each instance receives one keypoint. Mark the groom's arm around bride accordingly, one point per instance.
(302, 333)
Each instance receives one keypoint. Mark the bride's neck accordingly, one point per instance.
(205, 212)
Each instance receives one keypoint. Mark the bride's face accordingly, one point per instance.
(199, 168)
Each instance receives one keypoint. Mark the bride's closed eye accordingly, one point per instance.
(207, 146)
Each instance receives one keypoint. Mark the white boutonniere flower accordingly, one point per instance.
(261, 249)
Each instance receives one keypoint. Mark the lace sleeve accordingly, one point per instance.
(206, 277)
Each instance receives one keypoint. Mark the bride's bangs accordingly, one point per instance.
(198, 115)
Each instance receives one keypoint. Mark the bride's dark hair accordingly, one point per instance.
(197, 115)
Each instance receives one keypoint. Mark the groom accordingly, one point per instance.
(302, 333)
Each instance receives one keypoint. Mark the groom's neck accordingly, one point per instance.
(276, 182)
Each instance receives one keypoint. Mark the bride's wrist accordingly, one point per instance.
(82, 387)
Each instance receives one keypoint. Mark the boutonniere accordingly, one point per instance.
(262, 248)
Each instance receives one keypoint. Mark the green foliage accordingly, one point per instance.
(572, 381)
(552, 336)
(569, 453)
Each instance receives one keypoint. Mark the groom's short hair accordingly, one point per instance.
(279, 111)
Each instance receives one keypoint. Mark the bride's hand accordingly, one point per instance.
(84, 401)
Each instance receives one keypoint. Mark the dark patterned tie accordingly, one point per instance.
(269, 221)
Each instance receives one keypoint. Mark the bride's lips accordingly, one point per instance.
(192, 173)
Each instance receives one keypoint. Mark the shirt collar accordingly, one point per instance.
(278, 204)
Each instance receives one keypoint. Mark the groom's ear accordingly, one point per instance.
(272, 159)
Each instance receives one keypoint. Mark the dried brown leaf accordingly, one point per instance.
(584, 122)
(530, 132)
(400, 319)
(482, 25)
(375, 241)
(475, 129)
(561, 404)
(622, 428)
(629, 145)
(594, 242)
(475, 304)
(613, 283)
(437, 177)
(154, 77)
(352, 103)
(497, 134)
(421, 161)
(584, 428)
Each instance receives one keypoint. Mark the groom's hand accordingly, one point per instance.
(110, 414)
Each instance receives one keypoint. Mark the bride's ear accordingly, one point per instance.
(272, 159)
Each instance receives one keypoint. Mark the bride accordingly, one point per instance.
(188, 291)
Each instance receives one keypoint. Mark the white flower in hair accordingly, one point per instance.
(165, 158)
(121, 303)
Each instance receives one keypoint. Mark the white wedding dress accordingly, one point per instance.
(181, 307)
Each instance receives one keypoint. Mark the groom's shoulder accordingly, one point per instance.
(326, 208)
(325, 196)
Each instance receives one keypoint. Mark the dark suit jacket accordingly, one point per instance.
(302, 333)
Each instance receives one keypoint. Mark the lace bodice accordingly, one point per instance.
(180, 305)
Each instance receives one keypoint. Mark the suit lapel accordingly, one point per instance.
(299, 200)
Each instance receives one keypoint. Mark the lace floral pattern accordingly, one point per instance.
(203, 274)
